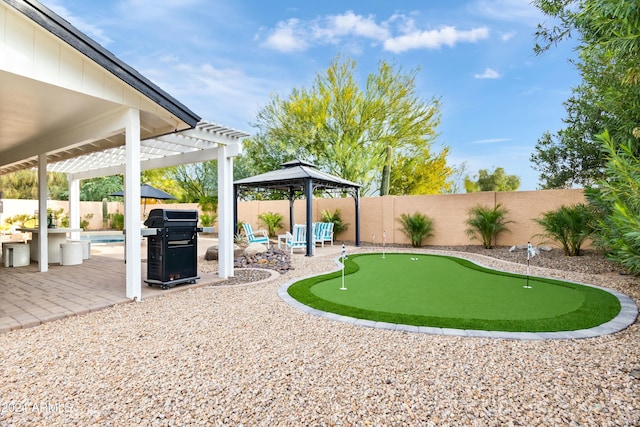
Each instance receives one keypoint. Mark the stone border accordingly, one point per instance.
(626, 317)
(274, 276)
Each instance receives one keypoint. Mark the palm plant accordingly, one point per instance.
(336, 219)
(416, 227)
(569, 225)
(272, 221)
(486, 223)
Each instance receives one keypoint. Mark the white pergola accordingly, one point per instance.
(69, 105)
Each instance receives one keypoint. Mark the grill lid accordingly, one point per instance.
(169, 218)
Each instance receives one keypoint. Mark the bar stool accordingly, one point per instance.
(86, 248)
(71, 253)
(16, 254)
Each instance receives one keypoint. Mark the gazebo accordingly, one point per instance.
(299, 177)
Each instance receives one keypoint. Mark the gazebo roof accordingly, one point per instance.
(293, 175)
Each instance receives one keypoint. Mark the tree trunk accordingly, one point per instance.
(386, 172)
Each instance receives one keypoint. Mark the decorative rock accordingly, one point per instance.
(254, 248)
(274, 259)
(212, 253)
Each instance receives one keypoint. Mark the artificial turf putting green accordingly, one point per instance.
(448, 292)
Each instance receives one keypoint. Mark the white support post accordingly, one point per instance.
(132, 206)
(226, 153)
(225, 213)
(74, 206)
(43, 238)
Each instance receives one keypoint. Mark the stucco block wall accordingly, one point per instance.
(449, 213)
(377, 214)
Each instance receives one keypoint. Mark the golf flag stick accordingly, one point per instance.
(530, 254)
(344, 258)
(384, 242)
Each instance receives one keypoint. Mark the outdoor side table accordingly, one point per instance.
(282, 238)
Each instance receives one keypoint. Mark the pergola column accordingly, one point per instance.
(132, 206)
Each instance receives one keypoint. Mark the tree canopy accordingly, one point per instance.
(380, 137)
(497, 180)
(609, 95)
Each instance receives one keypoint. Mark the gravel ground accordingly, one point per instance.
(238, 355)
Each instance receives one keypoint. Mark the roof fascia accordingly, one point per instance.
(62, 29)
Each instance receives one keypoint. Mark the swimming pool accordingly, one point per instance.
(103, 238)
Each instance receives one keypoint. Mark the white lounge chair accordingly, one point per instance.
(297, 239)
(258, 236)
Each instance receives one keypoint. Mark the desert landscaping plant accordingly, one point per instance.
(486, 223)
(416, 227)
(272, 221)
(209, 207)
(336, 219)
(568, 225)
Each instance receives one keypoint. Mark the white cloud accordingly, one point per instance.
(508, 10)
(434, 39)
(287, 37)
(350, 24)
(507, 36)
(349, 28)
(488, 73)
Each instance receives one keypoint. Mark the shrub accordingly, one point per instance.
(485, 224)
(334, 217)
(272, 221)
(209, 207)
(116, 221)
(416, 227)
(568, 225)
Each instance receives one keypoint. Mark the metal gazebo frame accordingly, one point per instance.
(298, 176)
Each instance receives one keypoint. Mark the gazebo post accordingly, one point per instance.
(292, 199)
(309, 193)
(357, 199)
(235, 210)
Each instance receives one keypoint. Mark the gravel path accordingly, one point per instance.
(238, 355)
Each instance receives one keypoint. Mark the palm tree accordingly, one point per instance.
(485, 223)
(416, 227)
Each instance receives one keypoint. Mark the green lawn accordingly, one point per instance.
(440, 291)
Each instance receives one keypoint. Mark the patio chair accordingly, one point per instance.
(318, 232)
(258, 236)
(327, 235)
(297, 239)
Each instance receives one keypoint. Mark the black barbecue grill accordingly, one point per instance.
(172, 253)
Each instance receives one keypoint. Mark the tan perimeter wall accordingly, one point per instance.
(449, 213)
(377, 214)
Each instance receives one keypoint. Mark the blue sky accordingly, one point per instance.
(224, 59)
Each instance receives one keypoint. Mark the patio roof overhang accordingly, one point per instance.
(69, 105)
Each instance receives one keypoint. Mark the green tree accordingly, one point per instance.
(617, 198)
(497, 180)
(418, 173)
(609, 96)
(196, 181)
(24, 185)
(95, 189)
(346, 130)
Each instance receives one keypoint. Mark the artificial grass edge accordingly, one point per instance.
(599, 306)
